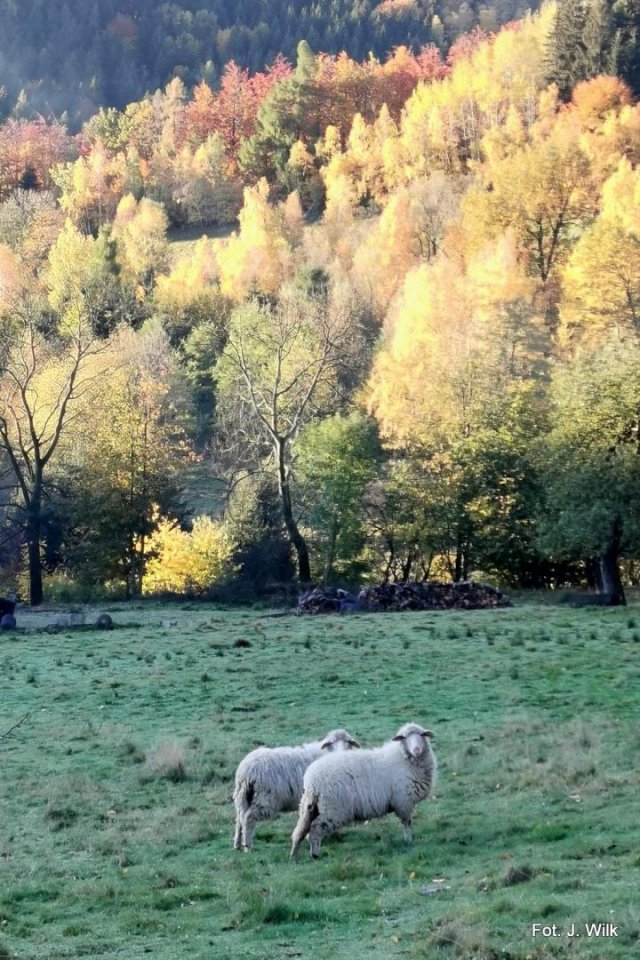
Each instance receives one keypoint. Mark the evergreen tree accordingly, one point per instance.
(626, 42)
(566, 53)
(597, 38)
(288, 113)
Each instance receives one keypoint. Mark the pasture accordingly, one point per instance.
(117, 826)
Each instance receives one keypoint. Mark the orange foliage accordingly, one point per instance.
(29, 149)
(594, 99)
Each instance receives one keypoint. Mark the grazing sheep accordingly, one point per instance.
(344, 788)
(269, 781)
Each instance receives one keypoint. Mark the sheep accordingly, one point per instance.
(344, 788)
(269, 781)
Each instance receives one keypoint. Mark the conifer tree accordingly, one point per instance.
(566, 55)
(626, 43)
(597, 38)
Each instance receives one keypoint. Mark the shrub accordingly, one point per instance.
(60, 587)
(188, 562)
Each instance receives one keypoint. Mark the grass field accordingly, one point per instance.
(182, 240)
(116, 828)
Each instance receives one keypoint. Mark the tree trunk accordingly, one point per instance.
(295, 537)
(610, 581)
(457, 572)
(34, 533)
(331, 553)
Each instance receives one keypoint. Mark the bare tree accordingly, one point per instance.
(35, 412)
(281, 368)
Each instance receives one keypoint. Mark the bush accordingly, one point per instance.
(60, 587)
(188, 562)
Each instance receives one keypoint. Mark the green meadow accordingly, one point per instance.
(117, 821)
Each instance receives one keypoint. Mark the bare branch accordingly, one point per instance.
(7, 733)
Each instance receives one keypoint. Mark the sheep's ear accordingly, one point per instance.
(429, 733)
(399, 736)
(354, 743)
(327, 744)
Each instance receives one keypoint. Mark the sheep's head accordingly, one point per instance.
(415, 740)
(339, 740)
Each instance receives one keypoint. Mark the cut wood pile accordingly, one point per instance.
(318, 601)
(431, 595)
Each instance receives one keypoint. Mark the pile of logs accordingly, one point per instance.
(319, 601)
(431, 595)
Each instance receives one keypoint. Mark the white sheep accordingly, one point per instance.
(347, 787)
(269, 781)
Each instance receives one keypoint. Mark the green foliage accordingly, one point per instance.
(625, 45)
(566, 56)
(335, 460)
(253, 518)
(597, 37)
(592, 467)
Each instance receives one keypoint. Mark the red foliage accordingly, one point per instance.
(28, 151)
(231, 111)
(125, 29)
(466, 45)
(198, 118)
(402, 72)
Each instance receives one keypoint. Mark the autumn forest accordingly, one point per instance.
(361, 306)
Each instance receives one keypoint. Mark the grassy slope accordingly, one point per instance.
(536, 716)
(182, 240)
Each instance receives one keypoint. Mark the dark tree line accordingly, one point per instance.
(593, 37)
(72, 57)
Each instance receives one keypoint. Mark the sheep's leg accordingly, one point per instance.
(250, 819)
(317, 831)
(308, 812)
(237, 840)
(405, 820)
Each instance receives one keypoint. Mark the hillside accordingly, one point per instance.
(73, 57)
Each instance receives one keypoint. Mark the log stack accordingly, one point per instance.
(430, 595)
(318, 601)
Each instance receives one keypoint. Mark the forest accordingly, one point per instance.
(69, 60)
(331, 318)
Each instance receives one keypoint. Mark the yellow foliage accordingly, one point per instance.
(389, 250)
(293, 218)
(453, 337)
(190, 279)
(187, 562)
(126, 212)
(70, 262)
(90, 191)
(140, 229)
(621, 198)
(444, 122)
(10, 277)
(299, 157)
(259, 257)
(543, 191)
(601, 288)
(330, 144)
